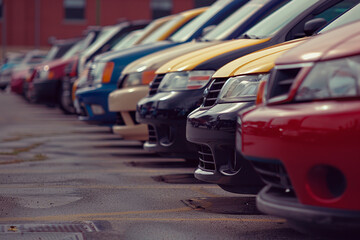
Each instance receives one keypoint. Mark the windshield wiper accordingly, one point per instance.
(247, 36)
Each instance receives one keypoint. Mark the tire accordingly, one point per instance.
(65, 103)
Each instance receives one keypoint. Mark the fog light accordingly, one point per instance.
(97, 109)
(326, 182)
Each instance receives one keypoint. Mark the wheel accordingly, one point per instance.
(65, 101)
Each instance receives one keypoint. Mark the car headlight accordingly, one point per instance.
(241, 88)
(331, 79)
(185, 80)
(44, 74)
(96, 72)
(138, 78)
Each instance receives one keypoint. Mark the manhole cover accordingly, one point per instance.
(225, 205)
(178, 179)
(83, 227)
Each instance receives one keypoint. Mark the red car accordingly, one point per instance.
(303, 139)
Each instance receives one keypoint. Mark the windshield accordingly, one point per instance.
(106, 34)
(73, 50)
(128, 41)
(348, 17)
(231, 23)
(162, 30)
(15, 59)
(189, 29)
(270, 25)
(87, 41)
(52, 53)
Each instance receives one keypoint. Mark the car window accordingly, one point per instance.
(329, 12)
(128, 40)
(350, 16)
(36, 59)
(73, 50)
(52, 53)
(336, 10)
(106, 34)
(87, 41)
(184, 34)
(232, 22)
(270, 25)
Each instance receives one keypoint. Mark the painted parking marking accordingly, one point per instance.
(30, 171)
(205, 193)
(116, 216)
(74, 217)
(254, 220)
(27, 186)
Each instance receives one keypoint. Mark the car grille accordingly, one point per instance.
(282, 82)
(154, 85)
(206, 158)
(273, 173)
(119, 119)
(90, 76)
(214, 91)
(152, 134)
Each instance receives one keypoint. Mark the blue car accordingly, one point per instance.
(92, 101)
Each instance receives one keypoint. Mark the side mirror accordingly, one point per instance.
(313, 25)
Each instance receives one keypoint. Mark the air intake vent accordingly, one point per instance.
(282, 82)
(152, 134)
(206, 158)
(273, 173)
(214, 91)
(154, 85)
(119, 119)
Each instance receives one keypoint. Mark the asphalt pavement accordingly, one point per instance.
(63, 179)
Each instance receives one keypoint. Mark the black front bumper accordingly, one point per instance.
(46, 91)
(305, 218)
(213, 129)
(166, 113)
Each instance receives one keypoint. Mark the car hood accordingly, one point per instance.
(56, 63)
(156, 60)
(113, 55)
(261, 61)
(189, 61)
(340, 42)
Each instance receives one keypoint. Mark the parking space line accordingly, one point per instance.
(27, 186)
(122, 170)
(255, 220)
(74, 217)
(205, 193)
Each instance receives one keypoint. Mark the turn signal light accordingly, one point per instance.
(261, 93)
(108, 70)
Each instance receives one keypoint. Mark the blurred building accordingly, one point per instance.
(33, 22)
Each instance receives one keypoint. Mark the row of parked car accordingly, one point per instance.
(263, 94)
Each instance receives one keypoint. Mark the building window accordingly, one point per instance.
(74, 9)
(203, 3)
(1, 9)
(161, 8)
